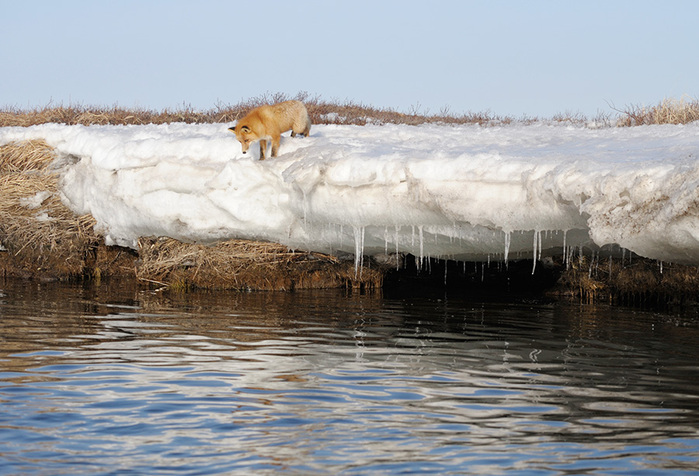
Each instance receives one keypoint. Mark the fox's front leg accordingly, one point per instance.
(275, 145)
(263, 148)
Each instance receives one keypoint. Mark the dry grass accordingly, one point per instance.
(42, 236)
(245, 265)
(638, 282)
(90, 115)
(321, 112)
(668, 111)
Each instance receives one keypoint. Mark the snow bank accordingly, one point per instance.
(463, 192)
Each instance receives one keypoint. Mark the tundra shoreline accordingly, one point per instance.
(43, 240)
(57, 245)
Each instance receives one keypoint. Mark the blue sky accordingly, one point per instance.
(533, 57)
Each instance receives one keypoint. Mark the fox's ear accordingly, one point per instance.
(232, 128)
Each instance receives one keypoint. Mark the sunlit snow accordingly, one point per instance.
(462, 192)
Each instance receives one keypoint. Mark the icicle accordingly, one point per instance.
(507, 248)
(610, 266)
(445, 272)
(565, 248)
(358, 250)
(422, 250)
(537, 241)
(482, 272)
(397, 260)
(385, 240)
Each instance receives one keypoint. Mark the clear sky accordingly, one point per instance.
(508, 57)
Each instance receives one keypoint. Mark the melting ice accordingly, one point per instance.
(462, 192)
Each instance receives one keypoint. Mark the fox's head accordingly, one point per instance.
(244, 135)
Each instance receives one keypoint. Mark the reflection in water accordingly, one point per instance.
(106, 381)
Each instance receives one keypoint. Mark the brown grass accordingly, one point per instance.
(638, 282)
(321, 112)
(246, 265)
(668, 111)
(42, 236)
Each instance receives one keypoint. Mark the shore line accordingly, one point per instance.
(41, 239)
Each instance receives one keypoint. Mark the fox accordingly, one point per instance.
(267, 123)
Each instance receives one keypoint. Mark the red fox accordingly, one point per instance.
(266, 123)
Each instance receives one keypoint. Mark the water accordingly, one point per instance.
(101, 381)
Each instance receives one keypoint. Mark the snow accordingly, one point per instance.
(36, 200)
(462, 192)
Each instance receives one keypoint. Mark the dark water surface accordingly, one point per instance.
(100, 381)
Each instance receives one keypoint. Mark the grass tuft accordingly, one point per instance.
(668, 111)
(42, 236)
(245, 265)
(638, 282)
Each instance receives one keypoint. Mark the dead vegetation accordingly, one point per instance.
(668, 111)
(637, 281)
(320, 110)
(43, 238)
(246, 265)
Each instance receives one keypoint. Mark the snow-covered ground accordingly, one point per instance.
(462, 192)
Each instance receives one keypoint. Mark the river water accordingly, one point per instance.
(111, 380)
